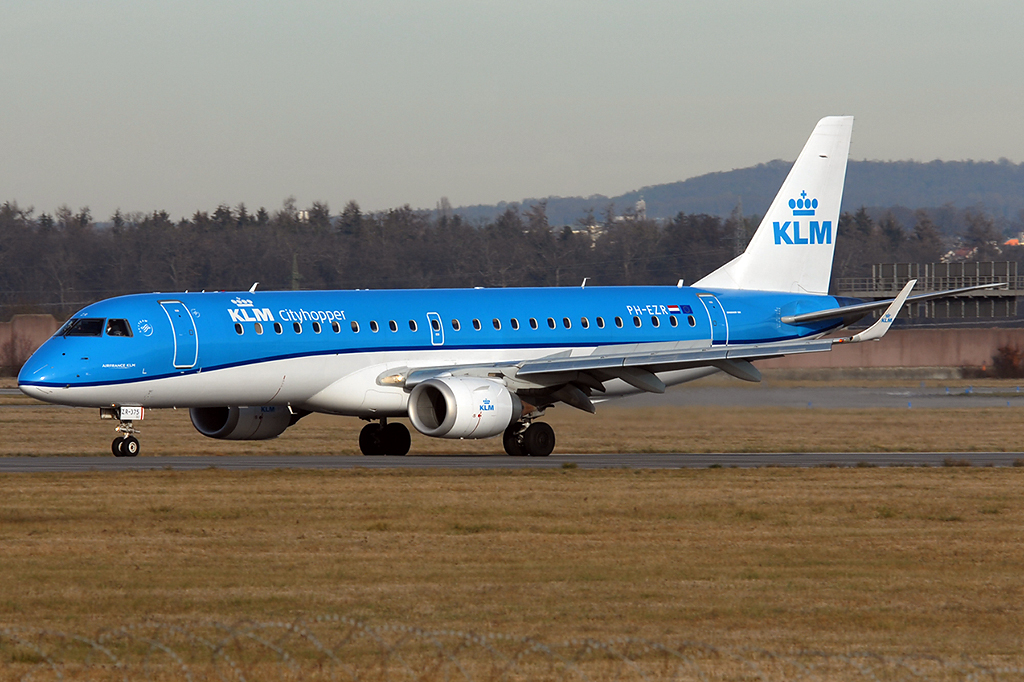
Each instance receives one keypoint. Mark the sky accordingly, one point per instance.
(186, 104)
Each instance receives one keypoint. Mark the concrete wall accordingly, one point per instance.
(911, 348)
(21, 336)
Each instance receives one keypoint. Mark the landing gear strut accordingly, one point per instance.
(384, 439)
(125, 445)
(535, 440)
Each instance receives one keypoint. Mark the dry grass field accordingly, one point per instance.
(42, 430)
(893, 561)
(31, 428)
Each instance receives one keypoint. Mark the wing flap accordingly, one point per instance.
(661, 361)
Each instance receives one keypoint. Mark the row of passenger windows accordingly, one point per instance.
(477, 325)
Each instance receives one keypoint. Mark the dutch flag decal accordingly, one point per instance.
(673, 309)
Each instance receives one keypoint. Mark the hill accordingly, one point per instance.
(998, 187)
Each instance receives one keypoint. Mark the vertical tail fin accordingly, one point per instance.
(793, 247)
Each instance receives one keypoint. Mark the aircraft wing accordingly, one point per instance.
(864, 308)
(573, 379)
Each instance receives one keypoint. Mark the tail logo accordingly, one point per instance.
(819, 232)
(803, 205)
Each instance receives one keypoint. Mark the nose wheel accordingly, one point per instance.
(125, 446)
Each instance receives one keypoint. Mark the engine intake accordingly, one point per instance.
(463, 407)
(241, 423)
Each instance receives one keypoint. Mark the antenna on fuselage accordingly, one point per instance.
(584, 285)
(679, 284)
(252, 289)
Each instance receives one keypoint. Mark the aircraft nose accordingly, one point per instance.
(37, 369)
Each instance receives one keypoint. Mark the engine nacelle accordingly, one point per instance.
(463, 407)
(241, 423)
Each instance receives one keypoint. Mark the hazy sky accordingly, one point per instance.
(183, 105)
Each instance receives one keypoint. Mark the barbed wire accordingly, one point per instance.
(335, 647)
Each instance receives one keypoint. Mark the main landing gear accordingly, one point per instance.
(385, 439)
(125, 445)
(536, 439)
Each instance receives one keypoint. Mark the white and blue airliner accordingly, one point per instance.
(462, 363)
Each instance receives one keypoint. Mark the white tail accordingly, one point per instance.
(793, 247)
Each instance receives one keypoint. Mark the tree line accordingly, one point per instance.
(58, 263)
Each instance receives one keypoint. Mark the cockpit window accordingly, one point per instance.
(83, 326)
(118, 328)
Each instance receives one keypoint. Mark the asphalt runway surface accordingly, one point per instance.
(12, 465)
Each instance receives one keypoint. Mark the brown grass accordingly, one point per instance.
(37, 430)
(888, 560)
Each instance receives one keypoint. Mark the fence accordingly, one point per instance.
(342, 648)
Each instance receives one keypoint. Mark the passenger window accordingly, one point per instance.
(435, 325)
(84, 326)
(551, 322)
(655, 321)
(278, 328)
(455, 325)
(297, 327)
(373, 326)
(476, 324)
(393, 326)
(533, 323)
(618, 322)
(585, 323)
(600, 322)
(412, 325)
(497, 323)
(673, 321)
(118, 328)
(355, 326)
(636, 321)
(515, 323)
(238, 328)
(336, 327)
(567, 323)
(258, 327)
(693, 322)
(316, 327)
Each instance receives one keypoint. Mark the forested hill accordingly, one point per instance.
(996, 186)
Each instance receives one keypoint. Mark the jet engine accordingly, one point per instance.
(242, 423)
(463, 407)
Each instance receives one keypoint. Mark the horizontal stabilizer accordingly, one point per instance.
(861, 308)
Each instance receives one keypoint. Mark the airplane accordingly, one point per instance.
(464, 363)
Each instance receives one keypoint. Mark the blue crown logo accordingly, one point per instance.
(803, 205)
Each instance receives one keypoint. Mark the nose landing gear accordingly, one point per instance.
(125, 445)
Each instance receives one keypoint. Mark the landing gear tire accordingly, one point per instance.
(395, 439)
(539, 439)
(130, 446)
(370, 441)
(513, 440)
(125, 447)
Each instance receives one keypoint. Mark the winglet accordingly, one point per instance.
(878, 329)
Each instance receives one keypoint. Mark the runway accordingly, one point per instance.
(13, 465)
